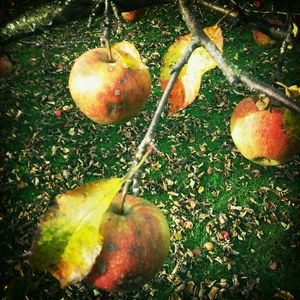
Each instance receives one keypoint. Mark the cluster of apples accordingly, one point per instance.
(110, 90)
(111, 87)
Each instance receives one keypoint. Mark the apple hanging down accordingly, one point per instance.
(259, 134)
(110, 91)
(136, 243)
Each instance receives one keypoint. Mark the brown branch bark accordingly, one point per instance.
(231, 72)
(149, 136)
(46, 15)
(276, 32)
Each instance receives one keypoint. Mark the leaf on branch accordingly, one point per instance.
(68, 240)
(188, 83)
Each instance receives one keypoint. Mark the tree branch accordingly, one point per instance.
(230, 71)
(283, 49)
(93, 12)
(276, 32)
(149, 136)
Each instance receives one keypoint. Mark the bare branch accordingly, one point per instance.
(230, 71)
(283, 50)
(93, 12)
(276, 32)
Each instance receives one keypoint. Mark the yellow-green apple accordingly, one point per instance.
(110, 91)
(136, 243)
(133, 15)
(5, 66)
(259, 134)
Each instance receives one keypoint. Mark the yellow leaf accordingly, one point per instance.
(68, 239)
(188, 83)
(130, 55)
(291, 91)
(286, 295)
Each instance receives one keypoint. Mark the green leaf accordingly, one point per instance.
(68, 239)
(291, 124)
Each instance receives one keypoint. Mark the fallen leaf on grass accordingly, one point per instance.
(286, 295)
(213, 293)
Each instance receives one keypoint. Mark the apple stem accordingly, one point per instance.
(107, 28)
(108, 47)
(131, 172)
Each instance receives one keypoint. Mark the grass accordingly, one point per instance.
(44, 155)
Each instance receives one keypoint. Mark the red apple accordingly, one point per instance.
(110, 91)
(136, 243)
(257, 4)
(262, 39)
(133, 15)
(259, 136)
(5, 66)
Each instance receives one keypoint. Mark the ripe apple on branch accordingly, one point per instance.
(136, 242)
(260, 133)
(114, 241)
(110, 91)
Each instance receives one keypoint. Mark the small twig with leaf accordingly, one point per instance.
(93, 12)
(149, 136)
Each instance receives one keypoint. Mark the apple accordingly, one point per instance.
(110, 91)
(136, 243)
(262, 39)
(259, 135)
(257, 4)
(133, 15)
(5, 66)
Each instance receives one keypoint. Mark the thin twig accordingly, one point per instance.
(93, 12)
(149, 136)
(223, 10)
(107, 28)
(230, 71)
(117, 16)
(276, 32)
(283, 50)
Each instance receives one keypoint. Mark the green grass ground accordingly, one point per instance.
(44, 155)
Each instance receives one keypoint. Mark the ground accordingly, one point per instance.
(203, 185)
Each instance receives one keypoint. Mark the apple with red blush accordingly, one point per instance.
(136, 243)
(110, 90)
(260, 134)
